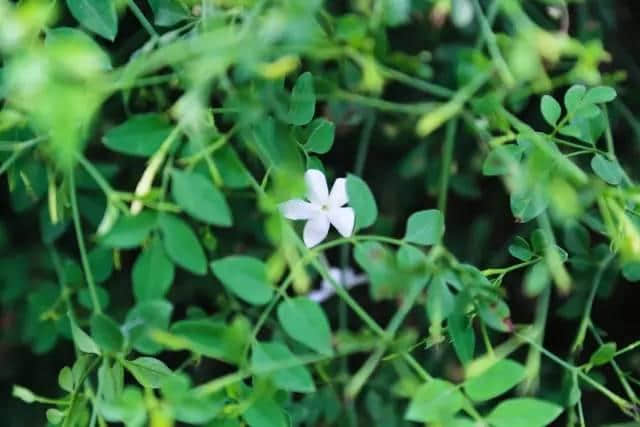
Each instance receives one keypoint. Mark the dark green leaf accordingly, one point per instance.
(106, 332)
(502, 160)
(140, 135)
(152, 273)
(321, 137)
(200, 198)
(130, 231)
(168, 12)
(276, 360)
(182, 244)
(303, 101)
(98, 16)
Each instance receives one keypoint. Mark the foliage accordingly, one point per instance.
(147, 267)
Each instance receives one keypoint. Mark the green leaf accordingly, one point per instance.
(82, 340)
(72, 46)
(244, 276)
(606, 169)
(536, 279)
(362, 201)
(496, 380)
(98, 16)
(303, 101)
(573, 97)
(65, 379)
(276, 360)
(23, 394)
(461, 331)
(265, 412)
(631, 271)
(140, 135)
(437, 400)
(526, 205)
(520, 249)
(106, 333)
(321, 138)
(144, 319)
(200, 198)
(501, 160)
(600, 94)
(604, 354)
(148, 371)
(54, 416)
(425, 227)
(167, 12)
(524, 412)
(305, 321)
(130, 230)
(182, 244)
(152, 273)
(551, 110)
(495, 314)
(212, 338)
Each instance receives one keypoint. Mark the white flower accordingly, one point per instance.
(322, 209)
(327, 290)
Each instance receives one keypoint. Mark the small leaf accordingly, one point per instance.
(200, 198)
(631, 271)
(54, 416)
(305, 321)
(362, 201)
(140, 135)
(129, 231)
(303, 101)
(551, 110)
(182, 244)
(434, 401)
(502, 160)
(526, 205)
(245, 277)
(524, 412)
(265, 412)
(152, 273)
(143, 320)
(600, 94)
(23, 394)
(148, 371)
(606, 169)
(98, 16)
(573, 97)
(83, 341)
(65, 379)
(496, 380)
(461, 332)
(276, 360)
(536, 279)
(520, 249)
(604, 354)
(495, 314)
(321, 137)
(168, 12)
(425, 227)
(106, 333)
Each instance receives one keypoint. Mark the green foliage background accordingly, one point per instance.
(148, 278)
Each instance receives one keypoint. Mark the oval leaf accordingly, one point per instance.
(305, 321)
(245, 277)
(200, 198)
(362, 201)
(425, 227)
(182, 244)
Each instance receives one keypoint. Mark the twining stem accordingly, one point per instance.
(83, 251)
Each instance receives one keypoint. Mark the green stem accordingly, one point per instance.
(447, 156)
(143, 20)
(83, 251)
(494, 50)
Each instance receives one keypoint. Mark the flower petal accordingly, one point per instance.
(298, 209)
(338, 196)
(315, 230)
(343, 220)
(317, 190)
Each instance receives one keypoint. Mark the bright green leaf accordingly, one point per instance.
(437, 400)
(65, 379)
(245, 277)
(362, 201)
(496, 380)
(200, 198)
(524, 412)
(550, 109)
(152, 272)
(303, 101)
(425, 227)
(305, 321)
(130, 231)
(600, 94)
(168, 12)
(148, 371)
(321, 137)
(276, 360)
(604, 354)
(606, 169)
